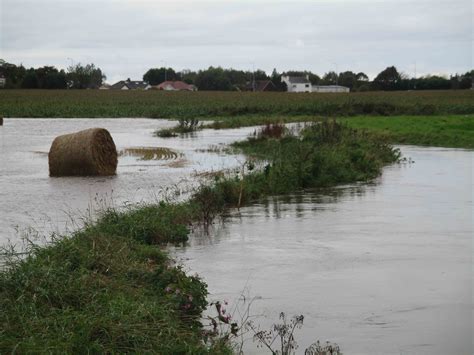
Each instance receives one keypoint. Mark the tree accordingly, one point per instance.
(14, 74)
(156, 76)
(276, 80)
(387, 79)
(330, 78)
(51, 78)
(30, 80)
(85, 77)
(362, 77)
(213, 79)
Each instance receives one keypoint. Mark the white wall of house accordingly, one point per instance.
(330, 88)
(3, 81)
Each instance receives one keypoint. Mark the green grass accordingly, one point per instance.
(109, 288)
(156, 104)
(443, 131)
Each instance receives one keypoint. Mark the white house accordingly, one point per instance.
(3, 81)
(297, 83)
(330, 88)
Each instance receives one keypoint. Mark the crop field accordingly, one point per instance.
(158, 104)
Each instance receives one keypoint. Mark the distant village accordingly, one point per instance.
(293, 84)
(89, 76)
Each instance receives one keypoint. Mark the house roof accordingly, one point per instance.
(260, 85)
(298, 80)
(177, 85)
(131, 84)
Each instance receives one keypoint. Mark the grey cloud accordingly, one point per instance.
(367, 34)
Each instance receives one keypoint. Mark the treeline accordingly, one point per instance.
(48, 77)
(390, 79)
(219, 79)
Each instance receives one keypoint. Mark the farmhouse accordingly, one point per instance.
(3, 81)
(175, 86)
(131, 85)
(297, 83)
(330, 88)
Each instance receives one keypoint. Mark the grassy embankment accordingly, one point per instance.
(110, 288)
(456, 131)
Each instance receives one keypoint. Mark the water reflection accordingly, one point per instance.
(380, 268)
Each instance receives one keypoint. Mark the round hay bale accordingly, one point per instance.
(90, 152)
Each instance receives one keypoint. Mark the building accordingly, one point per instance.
(3, 81)
(297, 83)
(175, 86)
(330, 88)
(261, 85)
(105, 87)
(131, 85)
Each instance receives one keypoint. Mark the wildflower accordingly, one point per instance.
(190, 298)
(168, 289)
(178, 291)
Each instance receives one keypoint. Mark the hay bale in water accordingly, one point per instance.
(90, 152)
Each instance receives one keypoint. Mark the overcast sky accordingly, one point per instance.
(126, 37)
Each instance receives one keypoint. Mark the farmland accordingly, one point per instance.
(156, 104)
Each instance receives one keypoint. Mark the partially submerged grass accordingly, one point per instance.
(109, 288)
(185, 125)
(151, 153)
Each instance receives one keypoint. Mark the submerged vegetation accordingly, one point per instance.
(225, 105)
(185, 125)
(109, 288)
(151, 153)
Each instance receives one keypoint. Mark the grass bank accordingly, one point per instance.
(456, 131)
(157, 104)
(102, 290)
(110, 288)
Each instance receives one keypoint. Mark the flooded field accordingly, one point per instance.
(384, 268)
(148, 166)
(381, 268)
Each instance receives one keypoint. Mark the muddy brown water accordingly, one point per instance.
(31, 200)
(381, 268)
(384, 268)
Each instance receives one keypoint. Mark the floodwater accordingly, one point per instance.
(31, 200)
(381, 268)
(384, 268)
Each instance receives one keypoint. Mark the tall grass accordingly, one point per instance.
(225, 105)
